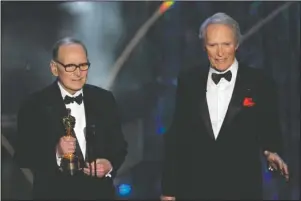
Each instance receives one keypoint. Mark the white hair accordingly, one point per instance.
(220, 18)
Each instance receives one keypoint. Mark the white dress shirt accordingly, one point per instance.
(219, 96)
(77, 111)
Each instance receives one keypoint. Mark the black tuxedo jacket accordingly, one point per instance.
(198, 166)
(39, 129)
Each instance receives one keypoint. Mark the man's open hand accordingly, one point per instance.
(277, 164)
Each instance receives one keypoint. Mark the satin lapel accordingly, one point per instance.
(203, 106)
(94, 119)
(56, 109)
(241, 89)
(89, 107)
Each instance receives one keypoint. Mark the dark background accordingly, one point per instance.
(145, 86)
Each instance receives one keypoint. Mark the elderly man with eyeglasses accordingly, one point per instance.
(41, 140)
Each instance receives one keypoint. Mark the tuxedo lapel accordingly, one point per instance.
(90, 110)
(93, 125)
(56, 108)
(206, 116)
(241, 89)
(203, 106)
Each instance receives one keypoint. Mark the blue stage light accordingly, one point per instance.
(124, 189)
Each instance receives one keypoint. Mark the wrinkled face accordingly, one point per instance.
(221, 46)
(69, 55)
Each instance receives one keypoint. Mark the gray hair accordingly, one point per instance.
(221, 18)
(66, 41)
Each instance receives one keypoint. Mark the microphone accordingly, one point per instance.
(90, 140)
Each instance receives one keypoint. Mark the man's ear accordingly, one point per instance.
(53, 68)
(237, 45)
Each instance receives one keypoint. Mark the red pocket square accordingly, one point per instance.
(248, 102)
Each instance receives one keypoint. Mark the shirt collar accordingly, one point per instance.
(66, 93)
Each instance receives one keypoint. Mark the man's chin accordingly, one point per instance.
(77, 87)
(222, 67)
(77, 84)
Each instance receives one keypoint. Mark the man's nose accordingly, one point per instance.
(77, 72)
(220, 51)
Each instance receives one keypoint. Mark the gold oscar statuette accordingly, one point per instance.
(69, 162)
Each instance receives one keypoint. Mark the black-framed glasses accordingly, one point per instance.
(73, 67)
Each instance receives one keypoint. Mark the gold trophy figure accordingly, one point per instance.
(69, 163)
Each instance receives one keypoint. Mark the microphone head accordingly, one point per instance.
(91, 129)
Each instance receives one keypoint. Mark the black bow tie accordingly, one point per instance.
(78, 99)
(217, 77)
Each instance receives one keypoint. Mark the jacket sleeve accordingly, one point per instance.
(270, 137)
(32, 150)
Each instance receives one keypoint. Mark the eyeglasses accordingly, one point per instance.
(73, 67)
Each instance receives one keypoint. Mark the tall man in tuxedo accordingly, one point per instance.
(225, 118)
(41, 140)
